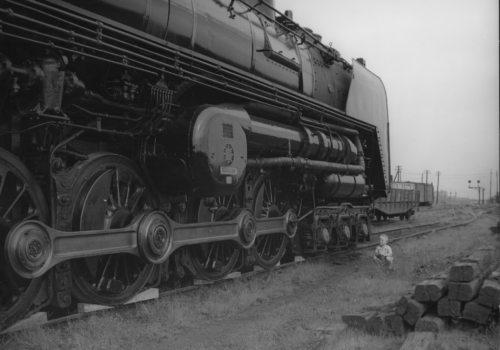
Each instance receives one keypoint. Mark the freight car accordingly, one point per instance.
(426, 193)
(401, 202)
(145, 141)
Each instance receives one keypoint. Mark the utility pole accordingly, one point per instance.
(491, 173)
(422, 181)
(438, 189)
(426, 175)
(398, 177)
(483, 194)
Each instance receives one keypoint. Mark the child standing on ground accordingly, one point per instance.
(383, 253)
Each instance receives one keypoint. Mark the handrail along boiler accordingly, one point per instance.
(148, 141)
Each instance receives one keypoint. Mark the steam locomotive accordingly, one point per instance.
(152, 141)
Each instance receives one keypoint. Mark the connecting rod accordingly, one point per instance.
(32, 247)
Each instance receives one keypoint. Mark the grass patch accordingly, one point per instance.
(285, 309)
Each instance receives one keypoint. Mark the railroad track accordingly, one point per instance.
(325, 257)
(396, 221)
(392, 231)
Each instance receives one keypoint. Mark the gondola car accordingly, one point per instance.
(402, 201)
(426, 193)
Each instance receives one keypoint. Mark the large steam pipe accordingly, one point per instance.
(273, 139)
(303, 163)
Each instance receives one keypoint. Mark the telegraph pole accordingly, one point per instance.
(426, 175)
(398, 177)
(438, 189)
(491, 173)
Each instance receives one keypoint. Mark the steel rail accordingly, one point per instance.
(412, 227)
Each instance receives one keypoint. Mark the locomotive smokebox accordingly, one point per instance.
(210, 149)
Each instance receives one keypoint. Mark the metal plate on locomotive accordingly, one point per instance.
(219, 148)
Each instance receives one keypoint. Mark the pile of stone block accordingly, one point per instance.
(470, 290)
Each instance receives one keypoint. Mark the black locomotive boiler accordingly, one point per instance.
(144, 141)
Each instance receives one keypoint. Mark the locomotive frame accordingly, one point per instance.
(136, 150)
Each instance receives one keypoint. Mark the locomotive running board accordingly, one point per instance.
(32, 247)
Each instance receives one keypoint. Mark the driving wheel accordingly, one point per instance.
(20, 199)
(269, 201)
(112, 191)
(215, 260)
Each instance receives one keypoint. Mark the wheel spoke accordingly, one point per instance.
(15, 201)
(259, 240)
(112, 204)
(209, 254)
(125, 271)
(3, 178)
(116, 260)
(216, 256)
(30, 214)
(266, 245)
(269, 201)
(118, 198)
(102, 267)
(266, 194)
(135, 198)
(128, 193)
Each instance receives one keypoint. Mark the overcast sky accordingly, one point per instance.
(439, 60)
